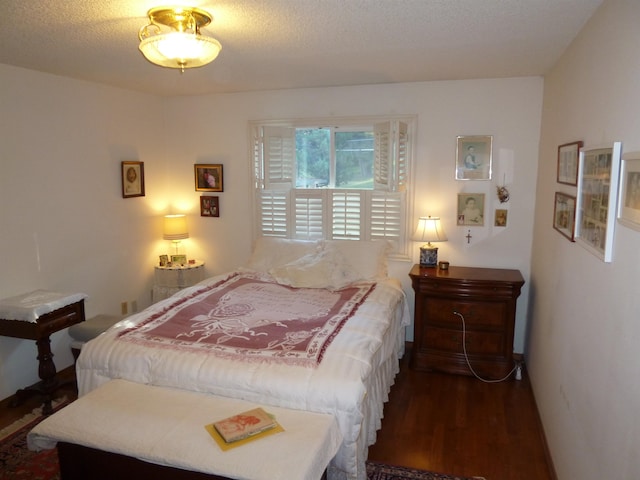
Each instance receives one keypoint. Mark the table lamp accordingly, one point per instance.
(175, 229)
(429, 230)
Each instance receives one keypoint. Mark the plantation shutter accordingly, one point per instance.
(279, 149)
(391, 154)
(347, 212)
(309, 211)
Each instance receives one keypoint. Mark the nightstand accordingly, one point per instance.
(169, 280)
(484, 299)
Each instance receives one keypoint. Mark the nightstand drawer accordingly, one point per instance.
(487, 314)
(477, 343)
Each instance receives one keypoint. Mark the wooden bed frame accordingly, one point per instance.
(78, 462)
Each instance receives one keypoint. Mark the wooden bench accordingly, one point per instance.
(124, 427)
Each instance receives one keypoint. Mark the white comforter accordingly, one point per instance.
(352, 381)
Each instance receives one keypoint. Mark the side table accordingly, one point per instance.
(35, 316)
(169, 280)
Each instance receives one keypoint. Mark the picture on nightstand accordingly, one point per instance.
(164, 260)
(179, 259)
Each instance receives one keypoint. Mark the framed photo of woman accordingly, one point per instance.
(132, 174)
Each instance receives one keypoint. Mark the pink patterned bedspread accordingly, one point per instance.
(250, 317)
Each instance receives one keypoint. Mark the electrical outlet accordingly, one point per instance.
(134, 306)
(124, 308)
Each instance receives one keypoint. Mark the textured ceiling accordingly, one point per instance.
(275, 44)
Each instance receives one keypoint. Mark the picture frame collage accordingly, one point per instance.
(605, 187)
(474, 162)
(207, 178)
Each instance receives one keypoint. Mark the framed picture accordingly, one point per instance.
(209, 206)
(568, 163)
(564, 215)
(208, 177)
(178, 260)
(596, 205)
(629, 206)
(164, 260)
(473, 157)
(471, 209)
(500, 219)
(132, 174)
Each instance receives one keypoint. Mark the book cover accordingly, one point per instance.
(245, 424)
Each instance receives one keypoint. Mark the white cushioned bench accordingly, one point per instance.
(165, 427)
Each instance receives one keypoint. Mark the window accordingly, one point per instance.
(348, 181)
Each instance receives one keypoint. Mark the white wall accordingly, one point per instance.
(214, 128)
(585, 327)
(81, 235)
(64, 225)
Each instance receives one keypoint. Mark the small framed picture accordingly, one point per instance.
(178, 259)
(568, 159)
(473, 157)
(132, 174)
(564, 215)
(500, 219)
(208, 177)
(629, 206)
(209, 206)
(164, 260)
(471, 209)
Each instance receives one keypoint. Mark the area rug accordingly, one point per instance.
(382, 471)
(17, 461)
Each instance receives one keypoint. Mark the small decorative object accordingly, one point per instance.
(596, 205)
(209, 206)
(443, 265)
(429, 230)
(503, 194)
(501, 217)
(468, 236)
(132, 174)
(179, 259)
(208, 177)
(471, 209)
(473, 157)
(568, 163)
(629, 210)
(564, 214)
(164, 259)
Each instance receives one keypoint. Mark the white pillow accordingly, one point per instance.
(270, 252)
(324, 269)
(367, 259)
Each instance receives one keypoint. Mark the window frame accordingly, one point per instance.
(399, 198)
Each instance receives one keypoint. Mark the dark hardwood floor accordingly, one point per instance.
(460, 425)
(445, 423)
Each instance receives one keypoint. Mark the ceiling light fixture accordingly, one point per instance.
(182, 46)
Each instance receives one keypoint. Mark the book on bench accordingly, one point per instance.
(244, 425)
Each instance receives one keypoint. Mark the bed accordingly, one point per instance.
(328, 338)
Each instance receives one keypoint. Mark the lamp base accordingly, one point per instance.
(428, 256)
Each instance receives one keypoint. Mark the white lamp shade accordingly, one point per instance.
(180, 50)
(175, 227)
(429, 230)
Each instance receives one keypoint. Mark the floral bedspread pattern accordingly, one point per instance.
(251, 317)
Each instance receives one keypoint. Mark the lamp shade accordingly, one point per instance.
(175, 227)
(180, 50)
(429, 230)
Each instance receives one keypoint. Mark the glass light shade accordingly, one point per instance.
(180, 50)
(175, 227)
